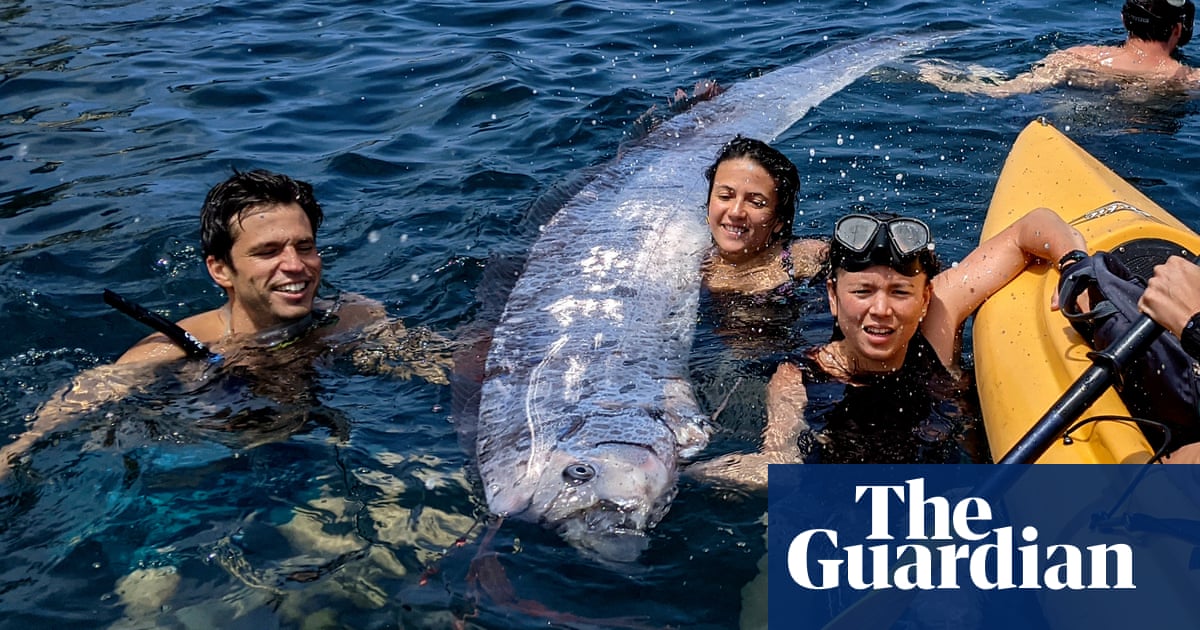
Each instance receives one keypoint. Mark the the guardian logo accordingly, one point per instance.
(946, 546)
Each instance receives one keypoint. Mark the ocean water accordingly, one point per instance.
(432, 132)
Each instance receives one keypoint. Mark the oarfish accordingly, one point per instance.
(586, 408)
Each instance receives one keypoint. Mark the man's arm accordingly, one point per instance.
(85, 392)
(1172, 296)
(388, 347)
(105, 383)
(975, 79)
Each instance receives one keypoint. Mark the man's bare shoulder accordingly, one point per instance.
(157, 348)
(355, 311)
(1077, 54)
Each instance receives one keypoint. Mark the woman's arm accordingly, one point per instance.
(959, 290)
(786, 399)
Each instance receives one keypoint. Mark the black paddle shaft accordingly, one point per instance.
(1085, 390)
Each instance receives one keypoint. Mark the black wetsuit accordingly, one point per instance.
(740, 338)
(919, 414)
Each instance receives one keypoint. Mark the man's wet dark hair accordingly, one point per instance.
(228, 202)
(781, 169)
(1153, 20)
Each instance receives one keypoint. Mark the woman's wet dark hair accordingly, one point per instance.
(781, 169)
(230, 199)
(1153, 20)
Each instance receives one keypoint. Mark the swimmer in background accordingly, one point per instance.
(1157, 29)
(258, 236)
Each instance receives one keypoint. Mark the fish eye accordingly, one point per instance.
(579, 472)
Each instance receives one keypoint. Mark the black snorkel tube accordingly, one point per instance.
(180, 337)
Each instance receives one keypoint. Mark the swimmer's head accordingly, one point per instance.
(776, 164)
(861, 241)
(1154, 20)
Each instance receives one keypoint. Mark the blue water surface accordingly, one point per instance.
(430, 130)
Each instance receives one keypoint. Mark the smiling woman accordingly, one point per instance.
(751, 205)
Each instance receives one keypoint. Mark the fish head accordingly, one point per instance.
(603, 501)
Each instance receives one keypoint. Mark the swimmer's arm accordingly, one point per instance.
(1047, 73)
(959, 291)
(85, 392)
(360, 312)
(787, 398)
(809, 256)
(974, 79)
(389, 347)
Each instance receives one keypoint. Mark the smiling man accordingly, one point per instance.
(258, 234)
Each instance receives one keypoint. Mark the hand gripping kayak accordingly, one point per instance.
(1106, 366)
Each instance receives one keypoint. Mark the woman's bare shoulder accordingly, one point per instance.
(809, 256)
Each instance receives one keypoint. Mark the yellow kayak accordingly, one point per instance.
(1026, 355)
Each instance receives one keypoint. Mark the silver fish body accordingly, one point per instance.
(586, 409)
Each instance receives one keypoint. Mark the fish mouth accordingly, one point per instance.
(606, 516)
(606, 533)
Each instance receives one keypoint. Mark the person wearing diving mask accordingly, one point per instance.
(898, 320)
(1156, 30)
